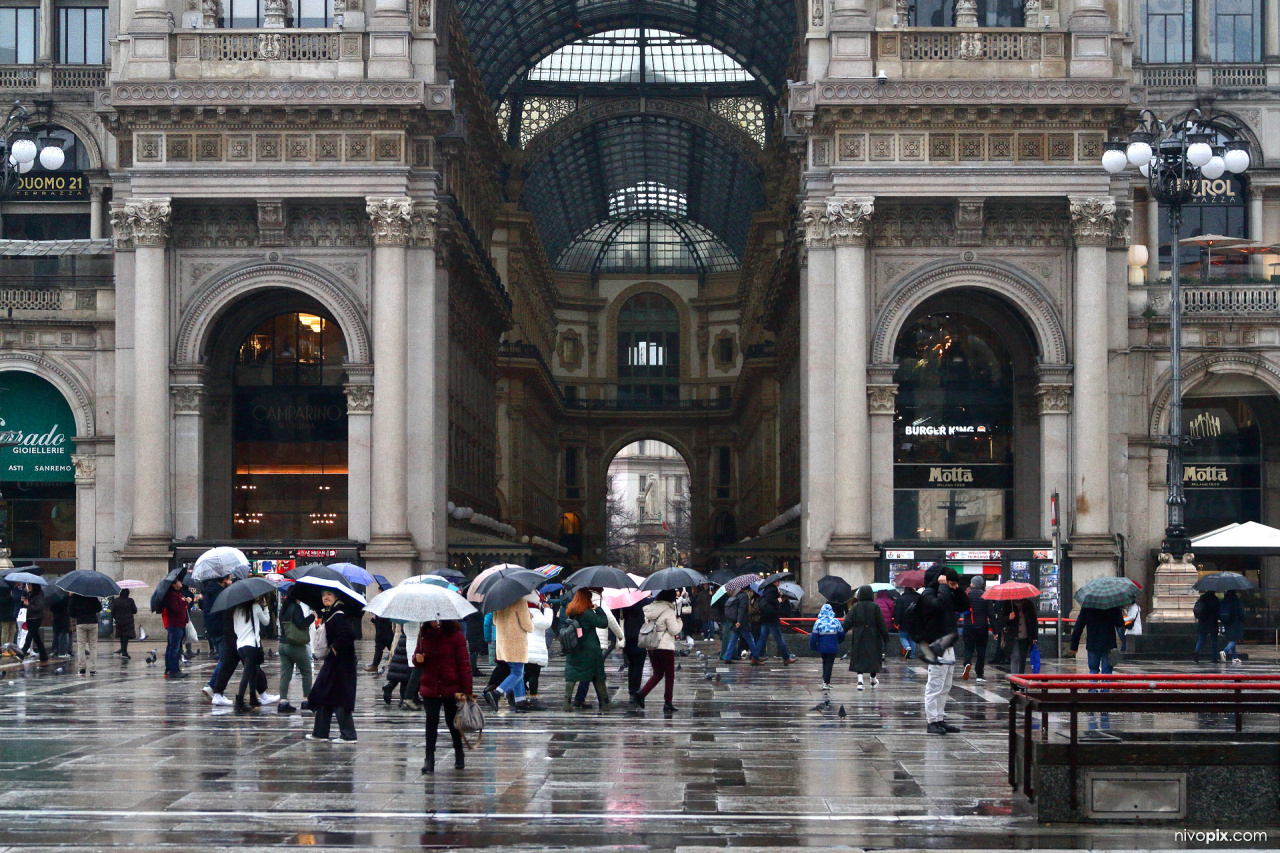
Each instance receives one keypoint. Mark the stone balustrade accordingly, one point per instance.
(1205, 76)
(1253, 300)
(47, 299)
(268, 54)
(56, 77)
(924, 53)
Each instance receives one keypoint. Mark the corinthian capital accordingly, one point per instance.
(422, 229)
(141, 222)
(392, 220)
(837, 221)
(1092, 219)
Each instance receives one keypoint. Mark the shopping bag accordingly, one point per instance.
(21, 636)
(470, 720)
(1035, 659)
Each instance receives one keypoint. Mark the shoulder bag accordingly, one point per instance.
(470, 720)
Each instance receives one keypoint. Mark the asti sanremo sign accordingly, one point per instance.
(36, 430)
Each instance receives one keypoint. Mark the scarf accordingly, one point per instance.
(827, 622)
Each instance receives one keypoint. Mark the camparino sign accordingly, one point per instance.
(35, 417)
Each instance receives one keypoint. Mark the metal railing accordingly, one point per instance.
(274, 46)
(79, 76)
(974, 45)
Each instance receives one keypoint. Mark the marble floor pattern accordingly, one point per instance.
(752, 760)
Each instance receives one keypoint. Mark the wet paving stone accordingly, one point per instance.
(757, 761)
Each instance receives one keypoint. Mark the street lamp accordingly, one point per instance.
(1173, 156)
(19, 150)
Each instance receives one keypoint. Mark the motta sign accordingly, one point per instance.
(1223, 475)
(1204, 474)
(36, 428)
(950, 476)
(953, 476)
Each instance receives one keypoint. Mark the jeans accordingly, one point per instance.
(775, 631)
(938, 687)
(1018, 651)
(1230, 649)
(602, 692)
(514, 681)
(726, 633)
(663, 662)
(450, 705)
(325, 713)
(62, 643)
(219, 646)
(33, 637)
(1099, 662)
(251, 657)
(709, 627)
(635, 669)
(828, 663)
(1211, 633)
(87, 646)
(975, 644)
(743, 634)
(908, 644)
(173, 649)
(291, 656)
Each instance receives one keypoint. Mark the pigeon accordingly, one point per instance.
(819, 707)
(717, 678)
(151, 657)
(678, 667)
(709, 676)
(841, 713)
(59, 671)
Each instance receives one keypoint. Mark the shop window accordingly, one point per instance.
(648, 350)
(19, 36)
(37, 479)
(571, 533)
(1217, 208)
(82, 35)
(1222, 467)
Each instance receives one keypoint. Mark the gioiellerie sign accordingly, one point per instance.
(36, 428)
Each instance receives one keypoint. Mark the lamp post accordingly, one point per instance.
(1173, 156)
(19, 150)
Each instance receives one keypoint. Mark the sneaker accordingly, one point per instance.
(936, 729)
(950, 728)
(524, 706)
(207, 691)
(967, 668)
(826, 686)
(94, 672)
(268, 699)
(346, 740)
(756, 661)
(1235, 660)
(491, 699)
(304, 706)
(317, 737)
(221, 701)
(875, 681)
(860, 684)
(981, 680)
(286, 708)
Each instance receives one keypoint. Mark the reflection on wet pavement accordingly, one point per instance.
(754, 760)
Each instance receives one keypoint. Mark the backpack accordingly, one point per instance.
(320, 642)
(294, 634)
(570, 634)
(649, 637)
(913, 619)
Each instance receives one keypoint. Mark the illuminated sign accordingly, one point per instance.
(52, 186)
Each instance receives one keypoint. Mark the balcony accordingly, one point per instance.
(1205, 76)
(53, 275)
(580, 404)
(1231, 298)
(1003, 53)
(58, 78)
(268, 54)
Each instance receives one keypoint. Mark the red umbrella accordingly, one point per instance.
(911, 579)
(1011, 591)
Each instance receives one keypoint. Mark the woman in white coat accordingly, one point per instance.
(662, 614)
(248, 620)
(541, 615)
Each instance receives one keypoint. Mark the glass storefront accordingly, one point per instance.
(953, 431)
(1222, 467)
(290, 429)
(37, 479)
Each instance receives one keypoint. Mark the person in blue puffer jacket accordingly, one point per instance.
(825, 640)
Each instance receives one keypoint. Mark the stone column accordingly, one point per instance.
(86, 509)
(187, 392)
(389, 540)
(1257, 227)
(882, 396)
(846, 222)
(817, 389)
(1271, 31)
(359, 390)
(1153, 241)
(95, 213)
(1202, 48)
(1093, 547)
(1054, 392)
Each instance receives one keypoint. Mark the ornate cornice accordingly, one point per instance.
(835, 222)
(809, 97)
(141, 222)
(882, 399)
(195, 93)
(1093, 219)
(392, 220)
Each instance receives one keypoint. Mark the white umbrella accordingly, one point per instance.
(429, 580)
(218, 563)
(420, 602)
(309, 589)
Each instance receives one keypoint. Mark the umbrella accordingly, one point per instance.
(549, 571)
(719, 594)
(1208, 241)
(162, 588)
(25, 577)
(420, 602)
(353, 573)
(1010, 591)
(1105, 593)
(1223, 581)
(128, 583)
(452, 574)
(834, 588)
(551, 588)
(309, 589)
(883, 587)
(242, 592)
(506, 590)
(89, 584)
(315, 570)
(910, 579)
(600, 577)
(740, 583)
(776, 576)
(475, 591)
(428, 580)
(616, 599)
(791, 590)
(720, 576)
(675, 577)
(383, 582)
(218, 563)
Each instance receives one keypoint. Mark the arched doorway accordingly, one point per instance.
(289, 428)
(649, 521)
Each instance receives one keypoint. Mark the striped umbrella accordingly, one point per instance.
(549, 571)
(1105, 593)
(740, 583)
(1010, 591)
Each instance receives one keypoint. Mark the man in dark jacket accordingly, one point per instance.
(900, 607)
(60, 612)
(633, 655)
(1206, 613)
(476, 643)
(215, 629)
(771, 623)
(1103, 626)
(737, 612)
(977, 628)
(938, 630)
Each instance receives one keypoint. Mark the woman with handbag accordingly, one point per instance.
(334, 691)
(446, 682)
(662, 657)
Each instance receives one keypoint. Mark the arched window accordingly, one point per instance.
(630, 56)
(648, 349)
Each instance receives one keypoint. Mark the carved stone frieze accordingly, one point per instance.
(273, 14)
(809, 97)
(195, 93)
(1092, 219)
(1055, 398)
(914, 225)
(1031, 12)
(969, 215)
(1024, 224)
(882, 399)
(270, 223)
(359, 399)
(141, 222)
(424, 14)
(391, 218)
(837, 221)
(222, 226)
(819, 16)
(327, 226)
(1121, 227)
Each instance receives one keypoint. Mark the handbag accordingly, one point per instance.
(470, 720)
(1035, 659)
(320, 642)
(192, 636)
(649, 638)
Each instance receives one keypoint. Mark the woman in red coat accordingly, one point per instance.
(446, 681)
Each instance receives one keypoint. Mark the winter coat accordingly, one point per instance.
(123, 610)
(446, 666)
(663, 615)
(826, 644)
(489, 634)
(213, 625)
(1032, 617)
(335, 685)
(384, 631)
(611, 626)
(1103, 626)
(174, 613)
(770, 602)
(939, 605)
(980, 614)
(1207, 607)
(585, 662)
(867, 634)
(1231, 616)
(60, 612)
(84, 609)
(908, 598)
(738, 609)
(7, 601)
(398, 669)
(702, 605)
(36, 608)
(885, 603)
(512, 625)
(632, 622)
(541, 617)
(248, 624)
(473, 626)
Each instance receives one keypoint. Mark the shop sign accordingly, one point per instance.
(953, 476)
(37, 423)
(52, 186)
(1224, 190)
(899, 555)
(1221, 476)
(976, 556)
(1041, 554)
(948, 430)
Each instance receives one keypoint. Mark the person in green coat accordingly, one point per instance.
(585, 661)
(865, 625)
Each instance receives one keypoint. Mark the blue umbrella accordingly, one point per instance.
(383, 582)
(25, 577)
(353, 573)
(551, 588)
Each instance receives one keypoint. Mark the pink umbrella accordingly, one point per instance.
(131, 584)
(616, 599)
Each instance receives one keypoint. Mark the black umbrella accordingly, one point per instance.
(776, 576)
(90, 584)
(315, 570)
(162, 588)
(507, 590)
(722, 576)
(450, 573)
(479, 589)
(600, 577)
(1223, 581)
(242, 592)
(834, 588)
(309, 590)
(676, 577)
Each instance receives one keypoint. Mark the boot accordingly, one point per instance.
(429, 766)
(241, 707)
(459, 759)
(386, 694)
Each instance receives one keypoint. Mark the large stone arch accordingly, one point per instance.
(200, 316)
(1003, 280)
(1199, 369)
(650, 434)
(70, 383)
(84, 131)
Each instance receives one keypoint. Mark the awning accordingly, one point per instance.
(474, 543)
(1248, 537)
(53, 248)
(780, 543)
